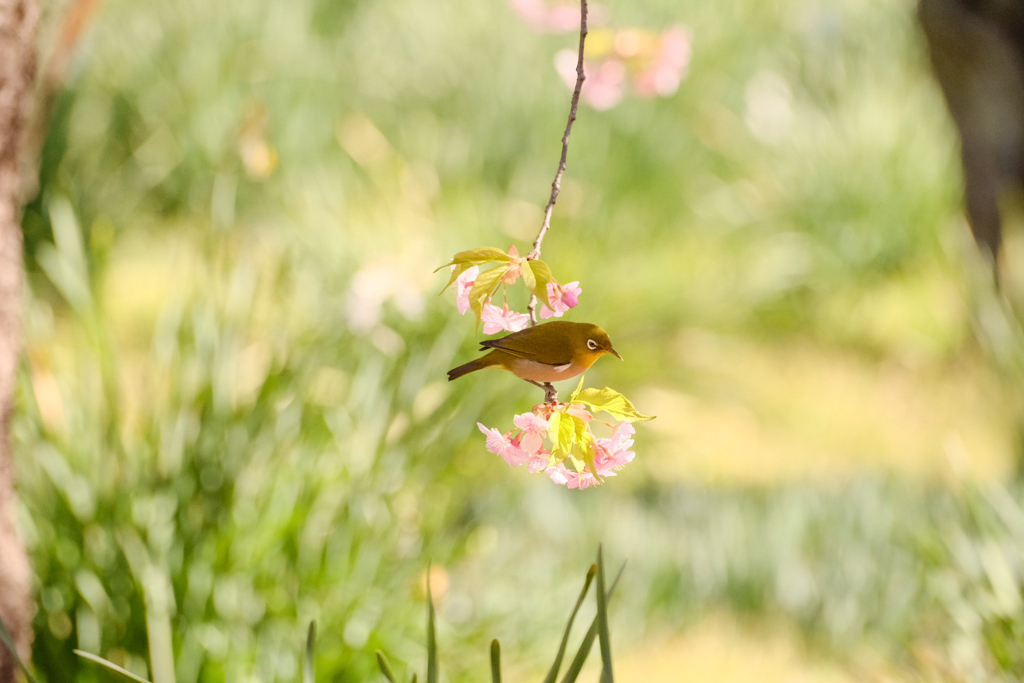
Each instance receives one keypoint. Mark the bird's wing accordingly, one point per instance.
(540, 346)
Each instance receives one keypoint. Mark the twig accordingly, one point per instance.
(550, 393)
(556, 185)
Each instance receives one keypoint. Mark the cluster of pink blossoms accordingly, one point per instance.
(655, 63)
(559, 300)
(527, 447)
(558, 17)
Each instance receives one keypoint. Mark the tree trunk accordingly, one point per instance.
(17, 72)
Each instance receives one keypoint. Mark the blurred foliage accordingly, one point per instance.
(233, 410)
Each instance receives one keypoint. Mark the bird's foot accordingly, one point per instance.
(550, 393)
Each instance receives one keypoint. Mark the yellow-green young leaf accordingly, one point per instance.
(483, 255)
(486, 285)
(612, 402)
(459, 270)
(562, 433)
(585, 450)
(537, 275)
(477, 257)
(579, 387)
(582, 430)
(529, 279)
(465, 260)
(542, 276)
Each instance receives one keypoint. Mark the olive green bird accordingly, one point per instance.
(543, 354)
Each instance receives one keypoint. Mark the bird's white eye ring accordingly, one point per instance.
(592, 345)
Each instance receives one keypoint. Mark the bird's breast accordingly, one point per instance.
(542, 372)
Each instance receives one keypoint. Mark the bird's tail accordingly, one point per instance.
(472, 366)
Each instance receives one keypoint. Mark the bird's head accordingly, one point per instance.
(591, 342)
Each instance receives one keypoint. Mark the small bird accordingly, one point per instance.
(543, 354)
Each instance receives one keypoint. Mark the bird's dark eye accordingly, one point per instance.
(592, 345)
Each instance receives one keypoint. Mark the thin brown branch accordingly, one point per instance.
(556, 185)
(550, 393)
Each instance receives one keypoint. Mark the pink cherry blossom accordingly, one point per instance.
(540, 17)
(580, 411)
(538, 461)
(501, 444)
(463, 286)
(496, 319)
(531, 440)
(605, 82)
(526, 447)
(560, 299)
(575, 480)
(663, 74)
(515, 267)
(557, 17)
(613, 452)
(652, 64)
(558, 474)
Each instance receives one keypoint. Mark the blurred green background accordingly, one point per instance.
(233, 409)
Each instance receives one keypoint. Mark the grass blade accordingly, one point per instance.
(553, 673)
(431, 635)
(581, 655)
(385, 667)
(158, 633)
(8, 640)
(604, 637)
(110, 665)
(309, 665)
(588, 640)
(495, 661)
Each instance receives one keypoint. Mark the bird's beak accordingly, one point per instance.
(615, 353)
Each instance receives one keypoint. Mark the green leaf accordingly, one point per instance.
(579, 387)
(529, 279)
(477, 257)
(588, 640)
(541, 276)
(309, 663)
(604, 637)
(385, 667)
(553, 673)
(537, 275)
(484, 288)
(459, 270)
(571, 438)
(465, 260)
(110, 665)
(581, 654)
(482, 255)
(495, 661)
(431, 635)
(565, 431)
(585, 450)
(8, 640)
(555, 434)
(612, 402)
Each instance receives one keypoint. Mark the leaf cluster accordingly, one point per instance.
(536, 274)
(570, 434)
